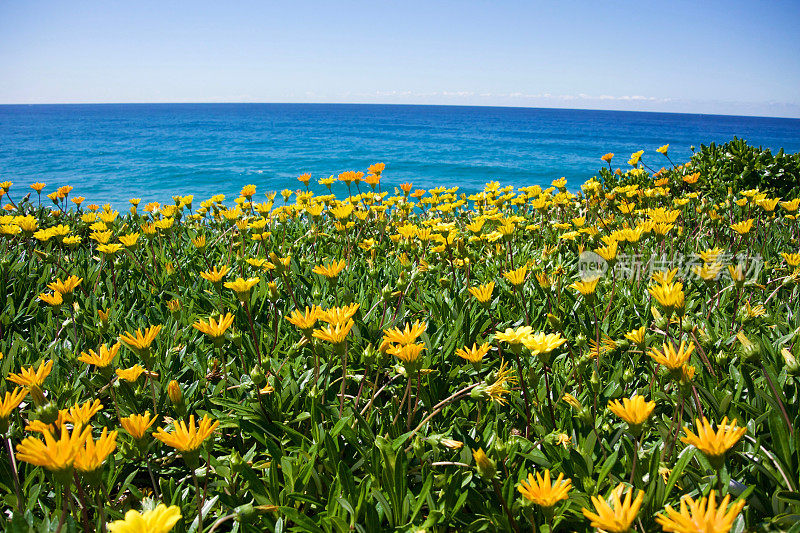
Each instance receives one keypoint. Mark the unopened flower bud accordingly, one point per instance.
(792, 366)
(47, 413)
(174, 392)
(486, 467)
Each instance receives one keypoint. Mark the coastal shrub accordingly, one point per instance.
(740, 166)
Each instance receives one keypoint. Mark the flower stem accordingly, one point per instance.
(496, 487)
(14, 474)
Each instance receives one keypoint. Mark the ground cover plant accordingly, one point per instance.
(619, 356)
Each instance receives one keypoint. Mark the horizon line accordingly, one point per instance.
(30, 104)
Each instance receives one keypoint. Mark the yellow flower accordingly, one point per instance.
(405, 336)
(754, 311)
(11, 401)
(330, 270)
(187, 438)
(242, 287)
(101, 237)
(701, 516)
(663, 149)
(544, 281)
(709, 271)
(334, 333)
(498, 390)
(103, 359)
(609, 253)
(33, 379)
(744, 227)
(54, 299)
(55, 455)
(714, 445)
(408, 353)
(212, 328)
(81, 414)
(669, 295)
(174, 305)
(130, 374)
(608, 157)
(159, 520)
(304, 321)
(791, 259)
(709, 256)
(636, 336)
(670, 357)
(139, 341)
(483, 293)
(66, 286)
(137, 425)
(514, 337)
(109, 249)
(215, 275)
(634, 411)
(542, 344)
(606, 345)
(768, 205)
(587, 286)
(338, 315)
(635, 157)
(516, 277)
(564, 440)
(542, 492)
(92, 454)
(474, 354)
(620, 517)
(129, 240)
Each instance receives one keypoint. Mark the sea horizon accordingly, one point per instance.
(398, 104)
(110, 152)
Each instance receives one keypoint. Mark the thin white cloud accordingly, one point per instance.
(516, 95)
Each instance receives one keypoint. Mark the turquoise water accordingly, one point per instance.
(110, 153)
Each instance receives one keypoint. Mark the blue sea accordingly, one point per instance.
(110, 153)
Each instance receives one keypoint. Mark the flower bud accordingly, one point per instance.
(792, 366)
(386, 293)
(418, 447)
(486, 467)
(174, 392)
(47, 413)
(273, 291)
(257, 375)
(236, 462)
(244, 513)
(751, 352)
(580, 340)
(594, 381)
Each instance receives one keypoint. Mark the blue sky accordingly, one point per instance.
(734, 57)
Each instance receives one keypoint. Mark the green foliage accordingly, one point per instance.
(737, 165)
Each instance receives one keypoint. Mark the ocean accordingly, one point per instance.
(113, 152)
